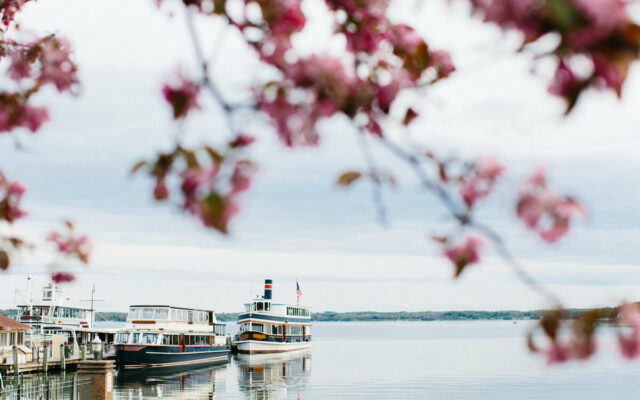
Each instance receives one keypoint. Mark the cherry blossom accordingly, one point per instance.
(69, 244)
(543, 211)
(10, 197)
(62, 277)
(482, 182)
(464, 254)
(630, 343)
(182, 97)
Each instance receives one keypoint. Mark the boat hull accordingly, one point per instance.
(141, 357)
(264, 347)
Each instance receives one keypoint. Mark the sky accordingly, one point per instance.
(295, 224)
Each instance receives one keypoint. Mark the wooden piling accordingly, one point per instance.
(83, 352)
(63, 365)
(16, 362)
(45, 357)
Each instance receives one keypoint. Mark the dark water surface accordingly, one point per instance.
(400, 360)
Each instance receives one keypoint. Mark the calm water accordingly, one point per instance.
(400, 360)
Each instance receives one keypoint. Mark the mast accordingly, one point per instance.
(29, 295)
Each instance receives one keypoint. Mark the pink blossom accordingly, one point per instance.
(161, 191)
(57, 67)
(182, 97)
(241, 177)
(33, 117)
(603, 18)
(10, 197)
(564, 82)
(556, 353)
(543, 211)
(9, 8)
(70, 245)
(607, 73)
(61, 277)
(482, 183)
(366, 25)
(466, 253)
(20, 67)
(294, 123)
(441, 61)
(630, 343)
(242, 140)
(285, 17)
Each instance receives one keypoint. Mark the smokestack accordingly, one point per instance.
(267, 289)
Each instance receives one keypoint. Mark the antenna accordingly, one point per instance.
(93, 311)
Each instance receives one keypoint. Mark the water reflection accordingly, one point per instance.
(174, 383)
(274, 376)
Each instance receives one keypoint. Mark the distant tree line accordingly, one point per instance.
(608, 313)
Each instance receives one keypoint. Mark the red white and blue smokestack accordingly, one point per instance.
(268, 285)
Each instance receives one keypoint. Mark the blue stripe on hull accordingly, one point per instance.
(161, 356)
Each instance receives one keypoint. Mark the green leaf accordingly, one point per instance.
(347, 178)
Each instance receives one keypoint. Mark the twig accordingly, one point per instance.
(376, 183)
(226, 108)
(466, 220)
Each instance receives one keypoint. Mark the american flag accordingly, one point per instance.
(298, 291)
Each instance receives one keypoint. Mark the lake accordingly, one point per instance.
(401, 360)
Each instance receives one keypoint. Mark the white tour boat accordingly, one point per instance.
(268, 327)
(165, 336)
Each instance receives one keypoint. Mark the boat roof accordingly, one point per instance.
(168, 306)
(276, 304)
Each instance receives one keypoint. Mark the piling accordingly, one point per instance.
(63, 364)
(45, 357)
(16, 362)
(102, 373)
(83, 352)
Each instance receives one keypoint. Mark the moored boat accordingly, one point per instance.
(164, 336)
(268, 327)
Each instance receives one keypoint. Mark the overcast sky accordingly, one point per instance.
(294, 223)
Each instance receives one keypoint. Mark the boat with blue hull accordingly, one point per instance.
(165, 336)
(269, 327)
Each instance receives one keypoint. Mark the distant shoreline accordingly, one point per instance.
(359, 316)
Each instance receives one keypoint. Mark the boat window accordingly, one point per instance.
(3, 339)
(162, 313)
(147, 313)
(259, 306)
(134, 313)
(267, 306)
(258, 327)
(135, 338)
(123, 337)
(219, 329)
(150, 338)
(276, 329)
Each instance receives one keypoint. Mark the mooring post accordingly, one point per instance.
(45, 358)
(83, 352)
(16, 365)
(62, 358)
(102, 373)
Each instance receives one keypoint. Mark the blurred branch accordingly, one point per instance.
(376, 183)
(466, 220)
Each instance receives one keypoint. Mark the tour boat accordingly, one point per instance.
(268, 327)
(165, 336)
(54, 313)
